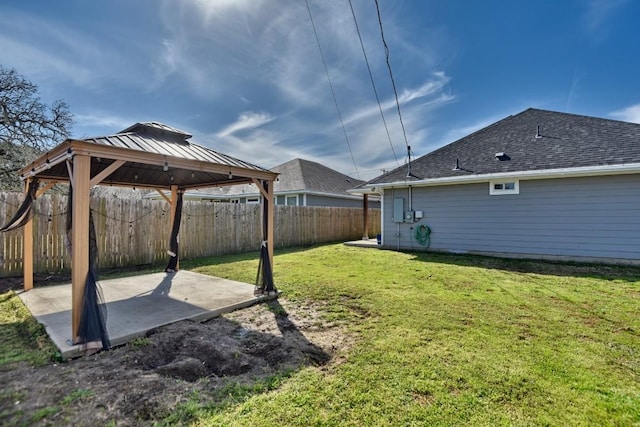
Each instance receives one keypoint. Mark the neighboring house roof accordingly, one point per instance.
(304, 175)
(533, 143)
(295, 177)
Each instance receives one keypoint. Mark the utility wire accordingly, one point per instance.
(386, 52)
(335, 100)
(372, 82)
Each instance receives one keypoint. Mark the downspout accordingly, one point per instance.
(393, 197)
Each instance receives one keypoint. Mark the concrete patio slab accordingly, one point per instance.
(363, 243)
(138, 304)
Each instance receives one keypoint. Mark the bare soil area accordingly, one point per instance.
(143, 382)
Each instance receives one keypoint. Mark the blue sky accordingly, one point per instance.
(246, 78)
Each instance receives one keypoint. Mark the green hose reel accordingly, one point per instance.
(423, 235)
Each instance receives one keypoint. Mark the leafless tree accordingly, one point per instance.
(28, 127)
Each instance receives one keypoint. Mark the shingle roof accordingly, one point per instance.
(299, 175)
(565, 141)
(305, 175)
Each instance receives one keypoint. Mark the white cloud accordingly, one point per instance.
(629, 114)
(432, 88)
(42, 62)
(598, 13)
(53, 52)
(104, 122)
(429, 87)
(246, 120)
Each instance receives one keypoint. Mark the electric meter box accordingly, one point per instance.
(409, 216)
(398, 209)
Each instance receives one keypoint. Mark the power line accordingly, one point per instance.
(386, 52)
(335, 100)
(372, 81)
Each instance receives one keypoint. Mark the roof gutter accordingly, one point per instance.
(620, 169)
(277, 193)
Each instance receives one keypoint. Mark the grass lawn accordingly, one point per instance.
(452, 340)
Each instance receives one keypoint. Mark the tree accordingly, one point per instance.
(28, 127)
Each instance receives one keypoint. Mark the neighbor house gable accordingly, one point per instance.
(308, 183)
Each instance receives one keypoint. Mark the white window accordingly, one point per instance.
(497, 188)
(292, 200)
(253, 200)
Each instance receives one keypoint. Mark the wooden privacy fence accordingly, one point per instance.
(134, 232)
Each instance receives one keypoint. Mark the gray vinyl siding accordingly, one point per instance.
(572, 217)
(315, 200)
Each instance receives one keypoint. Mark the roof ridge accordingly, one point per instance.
(585, 116)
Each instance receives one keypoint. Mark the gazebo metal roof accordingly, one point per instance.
(151, 155)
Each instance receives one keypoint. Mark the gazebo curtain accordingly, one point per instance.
(93, 319)
(264, 278)
(175, 239)
(24, 213)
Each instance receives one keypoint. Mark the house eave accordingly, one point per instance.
(620, 169)
(371, 191)
(209, 196)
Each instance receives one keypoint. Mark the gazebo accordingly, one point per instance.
(147, 155)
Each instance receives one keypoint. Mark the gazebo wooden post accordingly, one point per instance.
(27, 246)
(270, 219)
(174, 207)
(79, 236)
(365, 216)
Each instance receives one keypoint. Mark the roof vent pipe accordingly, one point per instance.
(409, 161)
(457, 168)
(538, 134)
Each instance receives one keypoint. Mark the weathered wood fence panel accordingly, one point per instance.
(136, 232)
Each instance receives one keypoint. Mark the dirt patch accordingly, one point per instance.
(145, 381)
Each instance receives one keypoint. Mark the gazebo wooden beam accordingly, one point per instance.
(106, 172)
(258, 184)
(128, 155)
(164, 196)
(266, 189)
(79, 237)
(270, 219)
(27, 247)
(45, 188)
(365, 216)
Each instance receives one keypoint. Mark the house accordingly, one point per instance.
(538, 184)
(300, 183)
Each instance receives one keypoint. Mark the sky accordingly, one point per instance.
(248, 79)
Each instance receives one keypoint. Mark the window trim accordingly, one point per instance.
(291, 196)
(501, 192)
